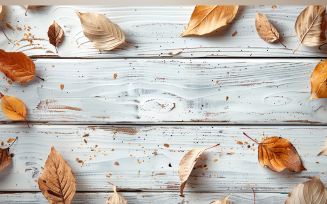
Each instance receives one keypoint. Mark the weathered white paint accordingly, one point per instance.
(259, 91)
(236, 169)
(151, 197)
(156, 30)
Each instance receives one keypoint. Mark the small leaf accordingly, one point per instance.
(55, 34)
(0, 8)
(30, 7)
(116, 198)
(222, 201)
(5, 157)
(324, 151)
(103, 33)
(206, 19)
(310, 26)
(310, 192)
(186, 165)
(56, 181)
(318, 81)
(13, 108)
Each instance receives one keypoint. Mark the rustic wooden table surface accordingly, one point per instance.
(218, 87)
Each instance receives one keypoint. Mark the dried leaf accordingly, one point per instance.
(0, 8)
(17, 66)
(310, 26)
(5, 157)
(319, 81)
(116, 198)
(222, 201)
(206, 19)
(186, 165)
(55, 34)
(13, 108)
(30, 7)
(324, 151)
(310, 192)
(56, 181)
(103, 33)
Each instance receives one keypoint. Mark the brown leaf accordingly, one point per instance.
(310, 192)
(222, 201)
(13, 108)
(206, 19)
(17, 66)
(116, 198)
(324, 151)
(5, 157)
(310, 26)
(318, 81)
(55, 34)
(186, 165)
(103, 33)
(56, 181)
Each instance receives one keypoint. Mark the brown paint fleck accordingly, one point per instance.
(18, 28)
(77, 159)
(200, 166)
(10, 140)
(116, 163)
(195, 178)
(155, 153)
(203, 174)
(9, 81)
(215, 160)
(2, 143)
(139, 162)
(166, 145)
(235, 32)
(41, 85)
(61, 86)
(249, 146)
(239, 142)
(86, 135)
(317, 162)
(115, 75)
(217, 82)
(53, 66)
(227, 98)
(10, 27)
(273, 6)
(6, 89)
(85, 141)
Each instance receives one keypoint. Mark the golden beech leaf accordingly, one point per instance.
(13, 108)
(5, 157)
(55, 34)
(17, 66)
(222, 201)
(104, 34)
(310, 26)
(56, 181)
(324, 151)
(116, 198)
(318, 81)
(310, 192)
(206, 19)
(277, 154)
(186, 165)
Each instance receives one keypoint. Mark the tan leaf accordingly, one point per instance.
(13, 108)
(17, 66)
(206, 19)
(310, 192)
(310, 26)
(116, 198)
(5, 157)
(186, 165)
(318, 81)
(56, 181)
(103, 33)
(222, 201)
(324, 151)
(30, 7)
(0, 8)
(55, 34)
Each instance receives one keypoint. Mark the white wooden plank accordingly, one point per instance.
(259, 91)
(156, 30)
(141, 169)
(151, 197)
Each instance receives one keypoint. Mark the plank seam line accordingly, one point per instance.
(176, 58)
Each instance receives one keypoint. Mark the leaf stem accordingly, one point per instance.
(282, 43)
(250, 138)
(1, 94)
(131, 44)
(12, 143)
(255, 9)
(39, 77)
(27, 123)
(253, 195)
(5, 34)
(322, 45)
(297, 48)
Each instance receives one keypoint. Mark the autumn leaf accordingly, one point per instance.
(103, 33)
(56, 181)
(277, 154)
(310, 26)
(186, 165)
(324, 151)
(0, 8)
(13, 108)
(206, 19)
(116, 198)
(30, 7)
(319, 81)
(5, 157)
(310, 192)
(55, 34)
(17, 66)
(222, 201)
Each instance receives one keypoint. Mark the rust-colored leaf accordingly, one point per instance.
(17, 66)
(56, 181)
(222, 201)
(319, 81)
(277, 154)
(187, 163)
(5, 157)
(116, 198)
(55, 34)
(206, 19)
(13, 108)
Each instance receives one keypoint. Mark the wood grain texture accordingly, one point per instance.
(149, 156)
(156, 30)
(229, 91)
(151, 197)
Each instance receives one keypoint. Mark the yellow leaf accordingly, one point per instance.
(318, 81)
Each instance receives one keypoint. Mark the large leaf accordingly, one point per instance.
(116, 198)
(222, 201)
(56, 181)
(318, 81)
(206, 19)
(5, 157)
(55, 34)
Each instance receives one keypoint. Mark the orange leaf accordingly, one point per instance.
(13, 108)
(5, 157)
(17, 66)
(319, 81)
